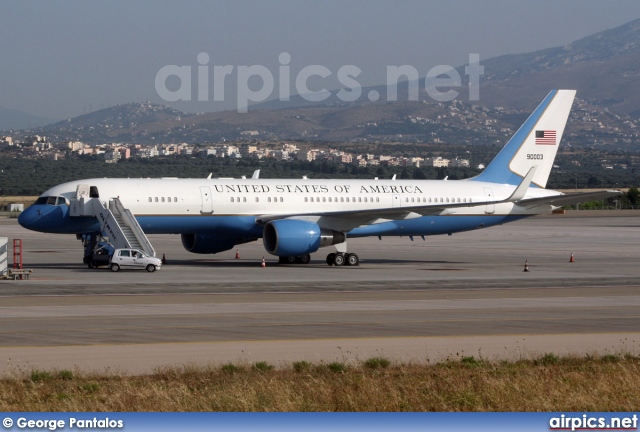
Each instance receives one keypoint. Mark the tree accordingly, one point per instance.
(633, 195)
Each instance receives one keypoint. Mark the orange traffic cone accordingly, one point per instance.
(571, 259)
(237, 254)
(164, 260)
(526, 266)
(264, 264)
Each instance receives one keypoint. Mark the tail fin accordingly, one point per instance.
(535, 143)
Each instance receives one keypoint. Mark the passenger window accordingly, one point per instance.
(324, 199)
(175, 199)
(268, 199)
(162, 199)
(377, 199)
(257, 199)
(231, 199)
(156, 199)
(150, 199)
(281, 199)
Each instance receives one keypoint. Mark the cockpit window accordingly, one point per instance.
(52, 200)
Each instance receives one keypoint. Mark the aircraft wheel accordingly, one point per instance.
(353, 260)
(338, 259)
(282, 260)
(290, 260)
(304, 259)
(330, 259)
(115, 267)
(151, 268)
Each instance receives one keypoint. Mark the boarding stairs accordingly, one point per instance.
(117, 223)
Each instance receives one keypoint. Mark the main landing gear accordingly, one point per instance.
(340, 258)
(300, 259)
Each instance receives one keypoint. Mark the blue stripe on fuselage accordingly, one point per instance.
(229, 226)
(431, 225)
(55, 219)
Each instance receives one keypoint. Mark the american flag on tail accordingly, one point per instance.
(546, 137)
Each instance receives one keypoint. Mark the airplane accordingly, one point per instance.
(296, 217)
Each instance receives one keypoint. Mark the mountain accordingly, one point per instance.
(113, 124)
(14, 119)
(604, 68)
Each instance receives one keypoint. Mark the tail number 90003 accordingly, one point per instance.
(535, 156)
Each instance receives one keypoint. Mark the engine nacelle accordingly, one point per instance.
(207, 244)
(291, 237)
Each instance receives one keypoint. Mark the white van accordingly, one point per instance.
(133, 259)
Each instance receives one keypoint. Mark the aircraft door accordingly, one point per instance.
(488, 194)
(207, 200)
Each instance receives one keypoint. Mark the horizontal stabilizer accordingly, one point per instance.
(568, 199)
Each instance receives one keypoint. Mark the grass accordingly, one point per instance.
(547, 383)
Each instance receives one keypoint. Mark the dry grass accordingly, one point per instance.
(26, 200)
(609, 383)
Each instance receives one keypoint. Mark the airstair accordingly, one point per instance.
(117, 223)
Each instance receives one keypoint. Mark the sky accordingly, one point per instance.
(62, 59)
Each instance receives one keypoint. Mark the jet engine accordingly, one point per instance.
(291, 237)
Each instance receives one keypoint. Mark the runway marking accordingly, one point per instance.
(184, 309)
(524, 336)
(308, 325)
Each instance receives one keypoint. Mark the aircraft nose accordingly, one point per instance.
(39, 217)
(30, 217)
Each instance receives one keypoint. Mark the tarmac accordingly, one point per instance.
(420, 301)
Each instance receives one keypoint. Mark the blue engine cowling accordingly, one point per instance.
(291, 237)
(210, 244)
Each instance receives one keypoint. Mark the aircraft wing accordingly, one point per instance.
(567, 199)
(367, 216)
